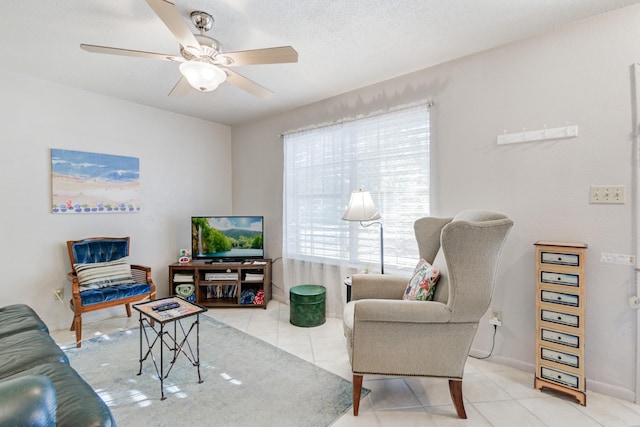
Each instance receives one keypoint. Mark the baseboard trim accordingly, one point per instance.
(592, 385)
(611, 390)
(506, 361)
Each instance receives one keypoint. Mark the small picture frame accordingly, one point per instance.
(185, 256)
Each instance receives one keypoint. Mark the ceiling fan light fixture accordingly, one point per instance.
(202, 76)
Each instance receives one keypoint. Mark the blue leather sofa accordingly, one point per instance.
(38, 387)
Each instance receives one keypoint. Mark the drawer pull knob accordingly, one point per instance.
(559, 298)
(559, 338)
(559, 357)
(559, 258)
(559, 317)
(559, 279)
(559, 377)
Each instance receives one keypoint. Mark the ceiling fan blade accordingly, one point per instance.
(129, 52)
(181, 88)
(247, 85)
(272, 55)
(169, 14)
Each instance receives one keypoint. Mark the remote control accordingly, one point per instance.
(166, 306)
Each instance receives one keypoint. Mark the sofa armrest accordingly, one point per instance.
(72, 277)
(377, 286)
(373, 310)
(142, 274)
(29, 400)
(141, 267)
(75, 285)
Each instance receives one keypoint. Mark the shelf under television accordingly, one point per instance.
(218, 282)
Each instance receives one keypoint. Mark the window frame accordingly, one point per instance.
(370, 143)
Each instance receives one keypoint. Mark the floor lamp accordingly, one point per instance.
(362, 209)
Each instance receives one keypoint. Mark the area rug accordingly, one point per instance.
(246, 382)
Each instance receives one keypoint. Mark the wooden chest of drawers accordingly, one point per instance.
(560, 298)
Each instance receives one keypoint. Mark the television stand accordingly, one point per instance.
(225, 284)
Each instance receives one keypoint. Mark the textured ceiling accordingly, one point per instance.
(342, 45)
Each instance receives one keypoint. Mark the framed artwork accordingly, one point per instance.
(84, 182)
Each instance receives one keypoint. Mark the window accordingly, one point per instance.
(387, 154)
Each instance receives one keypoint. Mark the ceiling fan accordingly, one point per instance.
(203, 65)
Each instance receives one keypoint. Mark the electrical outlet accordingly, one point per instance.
(496, 317)
(58, 293)
(611, 194)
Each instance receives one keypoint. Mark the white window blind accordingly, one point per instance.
(387, 154)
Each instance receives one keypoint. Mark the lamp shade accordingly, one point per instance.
(202, 76)
(361, 207)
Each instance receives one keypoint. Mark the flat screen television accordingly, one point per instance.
(227, 238)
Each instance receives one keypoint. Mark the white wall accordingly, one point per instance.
(257, 182)
(576, 75)
(185, 169)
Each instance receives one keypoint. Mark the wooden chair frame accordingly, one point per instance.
(141, 274)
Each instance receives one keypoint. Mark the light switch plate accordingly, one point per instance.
(607, 194)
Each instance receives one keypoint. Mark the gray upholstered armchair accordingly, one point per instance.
(387, 335)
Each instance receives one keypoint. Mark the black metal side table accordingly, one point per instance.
(166, 311)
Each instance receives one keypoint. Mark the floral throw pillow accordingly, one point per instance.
(422, 285)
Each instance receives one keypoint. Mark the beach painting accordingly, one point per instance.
(84, 182)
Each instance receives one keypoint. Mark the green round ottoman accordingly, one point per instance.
(307, 305)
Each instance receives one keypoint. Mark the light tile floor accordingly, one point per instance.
(495, 395)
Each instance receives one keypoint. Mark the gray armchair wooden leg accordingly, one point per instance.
(357, 391)
(455, 388)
